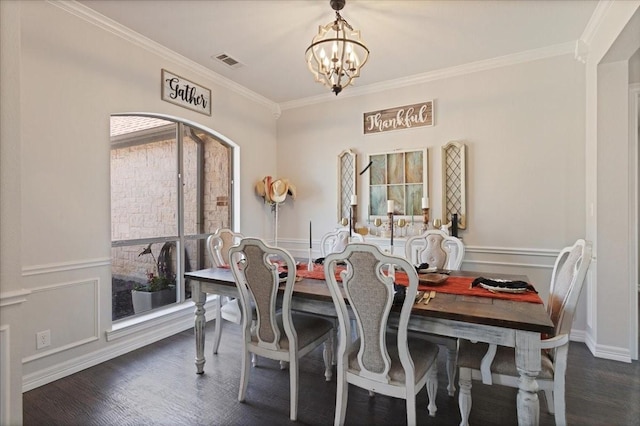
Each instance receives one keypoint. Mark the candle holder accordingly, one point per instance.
(310, 263)
(377, 222)
(425, 219)
(390, 214)
(352, 222)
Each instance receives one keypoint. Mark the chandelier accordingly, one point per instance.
(336, 54)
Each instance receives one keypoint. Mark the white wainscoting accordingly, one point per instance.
(5, 375)
(77, 290)
(11, 303)
(122, 342)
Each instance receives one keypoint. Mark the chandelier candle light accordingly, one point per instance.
(337, 53)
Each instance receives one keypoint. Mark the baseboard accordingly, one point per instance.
(608, 352)
(578, 336)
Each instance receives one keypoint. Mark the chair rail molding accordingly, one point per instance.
(17, 297)
(33, 270)
(299, 248)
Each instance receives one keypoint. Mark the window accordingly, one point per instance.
(171, 186)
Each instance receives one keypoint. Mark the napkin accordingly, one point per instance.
(503, 283)
(400, 293)
(422, 267)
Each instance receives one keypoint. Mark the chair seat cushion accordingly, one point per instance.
(470, 355)
(423, 354)
(308, 328)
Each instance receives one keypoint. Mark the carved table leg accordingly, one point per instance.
(528, 364)
(452, 354)
(199, 298)
(218, 330)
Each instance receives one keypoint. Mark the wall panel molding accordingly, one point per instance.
(83, 340)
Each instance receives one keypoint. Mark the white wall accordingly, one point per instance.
(69, 75)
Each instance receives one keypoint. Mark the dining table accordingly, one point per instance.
(459, 310)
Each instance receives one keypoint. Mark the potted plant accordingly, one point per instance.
(160, 288)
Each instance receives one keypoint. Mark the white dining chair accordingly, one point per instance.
(218, 245)
(493, 364)
(437, 248)
(442, 251)
(279, 334)
(335, 241)
(381, 361)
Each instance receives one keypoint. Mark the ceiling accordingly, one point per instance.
(406, 38)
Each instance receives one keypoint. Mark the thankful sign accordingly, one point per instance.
(185, 93)
(405, 117)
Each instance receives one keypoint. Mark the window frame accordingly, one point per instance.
(177, 130)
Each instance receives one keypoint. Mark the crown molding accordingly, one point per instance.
(109, 25)
(472, 67)
(91, 16)
(583, 44)
(596, 19)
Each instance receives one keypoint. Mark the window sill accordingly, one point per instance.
(171, 319)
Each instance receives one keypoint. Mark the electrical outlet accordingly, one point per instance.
(43, 339)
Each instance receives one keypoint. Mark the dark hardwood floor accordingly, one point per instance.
(157, 385)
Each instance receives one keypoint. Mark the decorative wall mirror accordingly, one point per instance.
(454, 183)
(346, 182)
(401, 176)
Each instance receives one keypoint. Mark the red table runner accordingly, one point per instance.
(453, 285)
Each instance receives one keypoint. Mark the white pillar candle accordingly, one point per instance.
(390, 206)
(425, 202)
(354, 200)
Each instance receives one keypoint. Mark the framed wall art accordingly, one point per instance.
(454, 183)
(401, 176)
(346, 182)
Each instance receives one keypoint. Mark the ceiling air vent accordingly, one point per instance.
(228, 60)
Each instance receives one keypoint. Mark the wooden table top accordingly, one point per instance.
(471, 309)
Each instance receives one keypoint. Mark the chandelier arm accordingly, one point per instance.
(316, 43)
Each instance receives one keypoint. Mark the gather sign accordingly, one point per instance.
(185, 93)
(404, 117)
